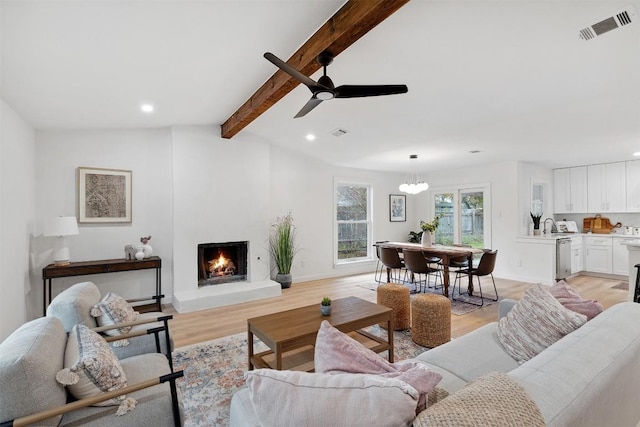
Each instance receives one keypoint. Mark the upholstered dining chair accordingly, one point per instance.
(485, 268)
(393, 264)
(416, 263)
(379, 266)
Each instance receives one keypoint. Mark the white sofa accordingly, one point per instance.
(591, 377)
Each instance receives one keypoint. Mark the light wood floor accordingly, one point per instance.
(204, 325)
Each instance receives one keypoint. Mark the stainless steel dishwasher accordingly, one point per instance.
(563, 258)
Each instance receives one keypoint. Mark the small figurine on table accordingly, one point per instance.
(146, 247)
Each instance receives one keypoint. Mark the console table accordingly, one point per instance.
(82, 268)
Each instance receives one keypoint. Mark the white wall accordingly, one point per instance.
(503, 179)
(527, 175)
(304, 187)
(221, 193)
(147, 153)
(234, 190)
(18, 299)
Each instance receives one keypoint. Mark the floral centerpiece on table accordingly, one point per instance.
(428, 228)
(432, 225)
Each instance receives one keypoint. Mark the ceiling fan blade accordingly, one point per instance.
(310, 105)
(355, 91)
(311, 84)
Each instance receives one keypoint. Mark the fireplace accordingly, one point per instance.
(222, 263)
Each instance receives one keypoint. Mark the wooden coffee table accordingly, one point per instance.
(291, 335)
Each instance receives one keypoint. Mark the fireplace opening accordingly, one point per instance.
(222, 263)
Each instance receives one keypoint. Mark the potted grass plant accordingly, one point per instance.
(283, 248)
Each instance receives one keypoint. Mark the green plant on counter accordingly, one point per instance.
(326, 301)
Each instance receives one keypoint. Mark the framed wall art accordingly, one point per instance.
(104, 195)
(397, 207)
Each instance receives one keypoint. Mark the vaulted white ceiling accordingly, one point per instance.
(510, 79)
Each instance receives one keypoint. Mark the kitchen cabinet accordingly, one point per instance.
(621, 256)
(606, 187)
(577, 258)
(570, 190)
(633, 185)
(598, 254)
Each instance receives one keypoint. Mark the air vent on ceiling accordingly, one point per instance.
(624, 17)
(338, 132)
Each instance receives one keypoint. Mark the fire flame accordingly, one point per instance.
(221, 266)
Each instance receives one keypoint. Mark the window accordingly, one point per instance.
(464, 216)
(353, 222)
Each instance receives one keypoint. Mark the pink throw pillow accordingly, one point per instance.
(336, 352)
(570, 299)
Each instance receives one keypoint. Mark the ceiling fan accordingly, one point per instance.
(324, 89)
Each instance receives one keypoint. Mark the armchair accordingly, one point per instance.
(73, 306)
(31, 357)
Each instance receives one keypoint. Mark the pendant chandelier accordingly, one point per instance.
(413, 184)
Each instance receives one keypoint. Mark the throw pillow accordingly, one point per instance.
(534, 323)
(491, 400)
(292, 398)
(336, 352)
(91, 367)
(569, 298)
(111, 310)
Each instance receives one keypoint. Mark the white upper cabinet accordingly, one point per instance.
(570, 190)
(606, 185)
(633, 186)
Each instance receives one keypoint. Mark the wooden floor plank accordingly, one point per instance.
(204, 325)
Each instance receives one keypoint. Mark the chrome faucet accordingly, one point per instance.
(553, 226)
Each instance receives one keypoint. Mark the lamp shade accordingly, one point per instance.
(61, 226)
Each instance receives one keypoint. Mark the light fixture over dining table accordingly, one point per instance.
(413, 183)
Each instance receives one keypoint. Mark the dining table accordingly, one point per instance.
(445, 253)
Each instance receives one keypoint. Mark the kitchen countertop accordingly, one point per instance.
(550, 237)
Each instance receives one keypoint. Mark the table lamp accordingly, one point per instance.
(61, 227)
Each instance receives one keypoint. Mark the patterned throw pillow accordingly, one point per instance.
(111, 310)
(534, 323)
(91, 367)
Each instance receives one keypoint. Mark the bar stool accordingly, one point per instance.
(636, 294)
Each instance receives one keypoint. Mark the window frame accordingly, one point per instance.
(457, 190)
(369, 221)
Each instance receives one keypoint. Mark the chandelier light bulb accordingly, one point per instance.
(413, 184)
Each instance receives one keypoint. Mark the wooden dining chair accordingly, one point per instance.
(393, 264)
(418, 264)
(485, 268)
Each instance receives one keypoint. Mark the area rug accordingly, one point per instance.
(624, 285)
(214, 371)
(464, 303)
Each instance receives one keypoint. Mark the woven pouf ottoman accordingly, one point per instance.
(396, 297)
(430, 320)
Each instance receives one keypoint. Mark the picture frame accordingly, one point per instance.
(397, 208)
(104, 195)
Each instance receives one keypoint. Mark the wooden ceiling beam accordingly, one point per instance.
(352, 21)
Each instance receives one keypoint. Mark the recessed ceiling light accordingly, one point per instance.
(637, 153)
(310, 137)
(147, 108)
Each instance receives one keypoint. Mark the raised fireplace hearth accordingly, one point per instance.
(222, 263)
